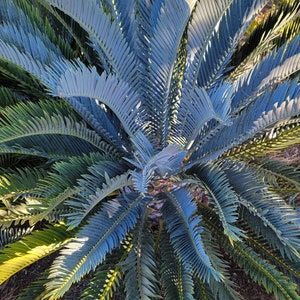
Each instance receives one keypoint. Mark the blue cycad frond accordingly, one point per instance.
(80, 81)
(12, 54)
(214, 35)
(104, 231)
(182, 223)
(53, 134)
(266, 205)
(140, 265)
(91, 16)
(267, 109)
(90, 197)
(281, 64)
(197, 107)
(224, 199)
(123, 13)
(101, 120)
(34, 43)
(172, 20)
(177, 280)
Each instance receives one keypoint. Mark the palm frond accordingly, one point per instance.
(13, 234)
(278, 26)
(32, 248)
(105, 230)
(86, 202)
(264, 273)
(263, 113)
(100, 119)
(22, 123)
(250, 84)
(280, 136)
(184, 229)
(274, 172)
(108, 276)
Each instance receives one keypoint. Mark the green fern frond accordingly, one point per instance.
(32, 248)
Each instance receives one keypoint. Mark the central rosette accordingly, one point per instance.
(154, 170)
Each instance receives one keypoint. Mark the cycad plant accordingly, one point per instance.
(135, 138)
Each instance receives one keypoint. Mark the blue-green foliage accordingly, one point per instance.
(127, 126)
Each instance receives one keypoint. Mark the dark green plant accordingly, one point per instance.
(131, 143)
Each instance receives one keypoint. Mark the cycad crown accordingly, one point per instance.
(136, 136)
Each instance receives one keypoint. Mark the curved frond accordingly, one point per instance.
(32, 248)
(184, 229)
(140, 266)
(172, 19)
(266, 206)
(177, 281)
(265, 112)
(263, 273)
(104, 232)
(274, 172)
(12, 234)
(105, 32)
(86, 202)
(223, 198)
(117, 95)
(108, 276)
(20, 123)
(213, 33)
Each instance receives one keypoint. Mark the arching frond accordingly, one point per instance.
(106, 33)
(266, 205)
(21, 123)
(184, 229)
(213, 37)
(117, 95)
(105, 230)
(85, 202)
(223, 198)
(108, 276)
(263, 113)
(172, 20)
(13, 234)
(32, 248)
(274, 172)
(177, 281)
(140, 265)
